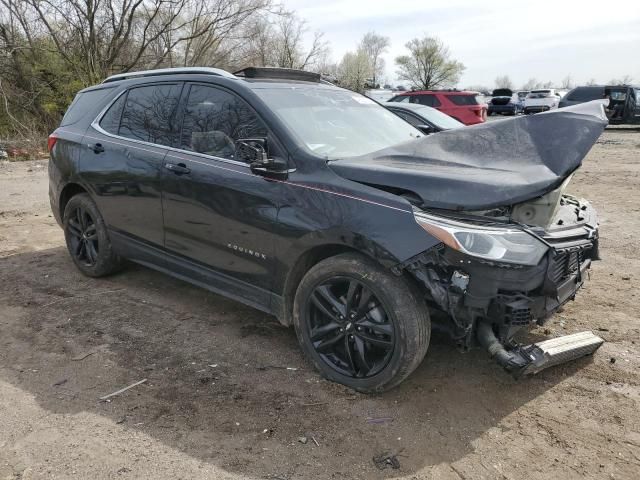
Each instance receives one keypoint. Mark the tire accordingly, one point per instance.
(390, 327)
(87, 239)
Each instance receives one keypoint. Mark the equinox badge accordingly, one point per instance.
(247, 251)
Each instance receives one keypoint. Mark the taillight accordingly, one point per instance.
(51, 141)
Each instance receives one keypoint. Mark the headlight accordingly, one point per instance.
(506, 244)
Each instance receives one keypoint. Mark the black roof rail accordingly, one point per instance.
(279, 74)
(169, 71)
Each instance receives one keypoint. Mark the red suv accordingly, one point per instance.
(463, 106)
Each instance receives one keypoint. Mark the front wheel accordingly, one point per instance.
(360, 325)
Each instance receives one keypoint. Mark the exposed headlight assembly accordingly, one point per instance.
(500, 244)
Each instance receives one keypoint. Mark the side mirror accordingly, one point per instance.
(251, 150)
(254, 152)
(426, 129)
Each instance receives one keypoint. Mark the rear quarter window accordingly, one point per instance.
(84, 103)
(463, 99)
(111, 120)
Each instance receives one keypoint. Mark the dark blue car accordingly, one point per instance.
(504, 102)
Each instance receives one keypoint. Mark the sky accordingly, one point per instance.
(544, 39)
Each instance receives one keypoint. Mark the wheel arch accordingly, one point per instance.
(303, 264)
(70, 190)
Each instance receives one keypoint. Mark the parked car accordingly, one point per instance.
(624, 104)
(581, 95)
(541, 101)
(522, 95)
(461, 105)
(317, 205)
(504, 101)
(426, 119)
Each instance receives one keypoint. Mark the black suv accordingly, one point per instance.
(319, 206)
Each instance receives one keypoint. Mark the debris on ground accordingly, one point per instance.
(83, 356)
(386, 460)
(379, 420)
(303, 440)
(315, 404)
(123, 389)
(60, 382)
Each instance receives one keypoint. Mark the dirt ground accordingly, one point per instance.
(228, 393)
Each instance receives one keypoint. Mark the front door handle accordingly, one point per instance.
(96, 147)
(177, 168)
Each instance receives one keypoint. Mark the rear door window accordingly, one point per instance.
(215, 119)
(426, 99)
(413, 120)
(400, 98)
(150, 114)
(463, 99)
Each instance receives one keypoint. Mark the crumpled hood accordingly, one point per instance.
(488, 165)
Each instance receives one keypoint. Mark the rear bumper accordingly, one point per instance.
(509, 108)
(55, 188)
(537, 109)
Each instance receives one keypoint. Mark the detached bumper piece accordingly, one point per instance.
(531, 359)
(560, 350)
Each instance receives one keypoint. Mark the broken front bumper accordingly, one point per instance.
(469, 290)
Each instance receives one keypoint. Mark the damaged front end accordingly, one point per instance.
(514, 247)
(492, 276)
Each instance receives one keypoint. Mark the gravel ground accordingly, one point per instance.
(228, 394)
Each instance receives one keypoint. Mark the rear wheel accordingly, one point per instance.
(359, 324)
(87, 240)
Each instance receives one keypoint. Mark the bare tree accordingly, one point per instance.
(591, 81)
(98, 37)
(625, 80)
(567, 82)
(374, 45)
(289, 50)
(428, 64)
(532, 84)
(504, 81)
(354, 70)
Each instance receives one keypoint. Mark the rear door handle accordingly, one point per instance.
(177, 168)
(96, 147)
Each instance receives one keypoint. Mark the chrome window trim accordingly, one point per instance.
(96, 126)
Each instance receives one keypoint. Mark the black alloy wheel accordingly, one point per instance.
(350, 328)
(83, 237)
(87, 237)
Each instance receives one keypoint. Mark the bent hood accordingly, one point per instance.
(488, 165)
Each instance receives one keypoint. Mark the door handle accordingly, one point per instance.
(177, 168)
(96, 147)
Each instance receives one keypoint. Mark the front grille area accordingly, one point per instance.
(567, 262)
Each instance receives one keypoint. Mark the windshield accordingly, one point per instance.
(438, 118)
(336, 123)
